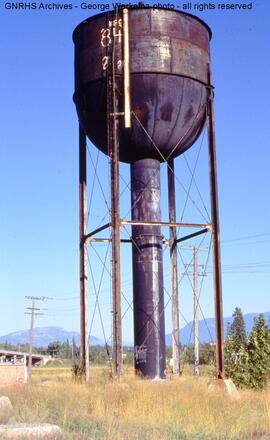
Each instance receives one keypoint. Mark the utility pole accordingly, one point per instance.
(33, 312)
(196, 312)
(195, 275)
(31, 331)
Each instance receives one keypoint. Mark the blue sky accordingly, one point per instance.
(39, 169)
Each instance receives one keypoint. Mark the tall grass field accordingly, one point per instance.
(175, 409)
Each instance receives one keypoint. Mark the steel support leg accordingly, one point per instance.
(216, 235)
(174, 270)
(84, 348)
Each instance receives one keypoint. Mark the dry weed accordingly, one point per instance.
(178, 409)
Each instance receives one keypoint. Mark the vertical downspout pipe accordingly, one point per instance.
(148, 290)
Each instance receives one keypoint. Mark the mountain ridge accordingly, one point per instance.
(43, 336)
(207, 329)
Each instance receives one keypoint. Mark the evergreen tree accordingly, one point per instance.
(65, 351)
(74, 349)
(259, 354)
(236, 354)
(238, 328)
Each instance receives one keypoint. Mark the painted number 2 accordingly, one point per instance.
(105, 63)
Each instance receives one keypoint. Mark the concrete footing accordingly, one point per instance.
(6, 409)
(224, 386)
(29, 431)
(19, 431)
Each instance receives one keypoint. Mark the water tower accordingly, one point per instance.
(143, 94)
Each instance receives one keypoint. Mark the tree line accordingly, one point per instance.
(246, 357)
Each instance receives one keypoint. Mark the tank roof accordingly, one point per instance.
(144, 8)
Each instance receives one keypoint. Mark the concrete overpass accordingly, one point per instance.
(19, 357)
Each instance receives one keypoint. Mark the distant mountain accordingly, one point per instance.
(44, 336)
(207, 329)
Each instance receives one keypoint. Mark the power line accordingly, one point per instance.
(247, 237)
(254, 265)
